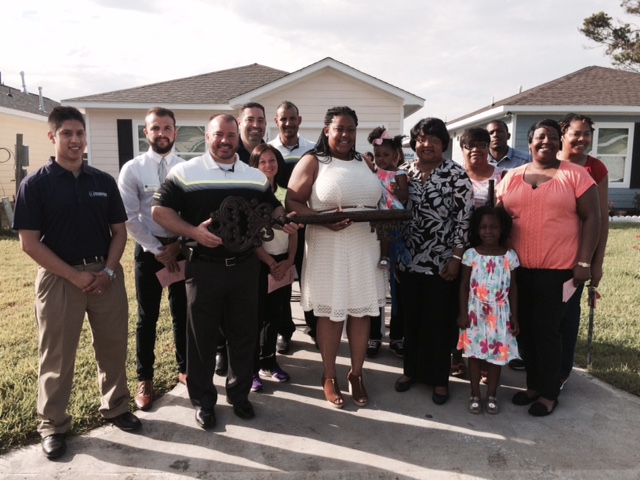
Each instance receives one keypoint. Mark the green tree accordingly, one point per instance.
(622, 40)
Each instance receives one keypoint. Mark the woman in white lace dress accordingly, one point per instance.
(342, 281)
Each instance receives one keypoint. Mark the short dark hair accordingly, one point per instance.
(161, 112)
(61, 114)
(286, 105)
(225, 117)
(252, 105)
(500, 122)
(474, 134)
(322, 145)
(254, 160)
(500, 214)
(546, 123)
(430, 126)
(572, 117)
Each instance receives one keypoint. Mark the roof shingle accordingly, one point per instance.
(588, 86)
(15, 99)
(209, 88)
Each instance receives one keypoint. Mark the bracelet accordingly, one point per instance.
(457, 256)
(273, 264)
(584, 264)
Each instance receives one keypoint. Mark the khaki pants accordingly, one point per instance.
(60, 312)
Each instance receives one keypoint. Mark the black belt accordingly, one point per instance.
(167, 241)
(87, 261)
(226, 261)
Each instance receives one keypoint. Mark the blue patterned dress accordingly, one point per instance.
(489, 334)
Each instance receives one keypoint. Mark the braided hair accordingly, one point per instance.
(322, 145)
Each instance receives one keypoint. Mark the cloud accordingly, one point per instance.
(456, 54)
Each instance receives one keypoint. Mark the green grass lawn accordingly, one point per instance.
(19, 353)
(616, 346)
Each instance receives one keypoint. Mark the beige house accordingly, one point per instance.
(115, 119)
(26, 114)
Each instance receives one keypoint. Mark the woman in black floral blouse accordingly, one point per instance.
(440, 201)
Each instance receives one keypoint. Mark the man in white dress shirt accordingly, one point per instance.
(156, 248)
(292, 147)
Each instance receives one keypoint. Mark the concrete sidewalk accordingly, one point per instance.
(593, 434)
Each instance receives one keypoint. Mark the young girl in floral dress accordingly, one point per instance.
(488, 302)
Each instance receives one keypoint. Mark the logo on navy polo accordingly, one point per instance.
(98, 194)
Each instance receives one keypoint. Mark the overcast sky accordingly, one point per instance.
(456, 54)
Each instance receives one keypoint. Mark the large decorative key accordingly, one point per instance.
(243, 224)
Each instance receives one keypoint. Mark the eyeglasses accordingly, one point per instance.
(480, 145)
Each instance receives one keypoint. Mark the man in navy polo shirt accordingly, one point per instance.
(70, 219)
(217, 279)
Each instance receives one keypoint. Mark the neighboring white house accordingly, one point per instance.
(610, 97)
(115, 119)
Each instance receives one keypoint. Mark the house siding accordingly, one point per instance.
(315, 94)
(103, 133)
(34, 135)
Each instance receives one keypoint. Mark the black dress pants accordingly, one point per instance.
(540, 313)
(430, 329)
(149, 295)
(217, 296)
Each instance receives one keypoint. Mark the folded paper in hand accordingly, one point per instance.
(568, 289)
(166, 277)
(287, 279)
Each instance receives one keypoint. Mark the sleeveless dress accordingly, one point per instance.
(489, 334)
(340, 272)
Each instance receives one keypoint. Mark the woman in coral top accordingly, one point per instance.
(556, 225)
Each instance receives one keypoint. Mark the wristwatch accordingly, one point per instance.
(111, 273)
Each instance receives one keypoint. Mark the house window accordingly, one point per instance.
(612, 143)
(189, 143)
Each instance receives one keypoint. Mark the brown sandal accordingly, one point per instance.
(332, 392)
(356, 389)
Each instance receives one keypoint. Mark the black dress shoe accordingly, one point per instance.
(54, 445)
(244, 410)
(440, 398)
(539, 409)
(282, 345)
(521, 398)
(403, 386)
(222, 364)
(205, 417)
(126, 421)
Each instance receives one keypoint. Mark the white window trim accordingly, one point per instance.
(627, 164)
(135, 125)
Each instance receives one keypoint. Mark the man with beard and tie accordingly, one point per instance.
(222, 285)
(156, 248)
